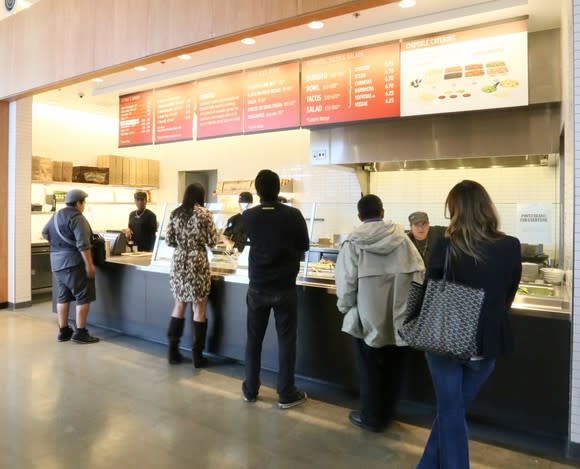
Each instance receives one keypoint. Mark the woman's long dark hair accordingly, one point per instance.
(194, 195)
(474, 220)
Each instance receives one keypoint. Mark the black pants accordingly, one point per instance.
(380, 372)
(284, 305)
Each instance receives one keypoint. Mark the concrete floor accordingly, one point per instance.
(117, 404)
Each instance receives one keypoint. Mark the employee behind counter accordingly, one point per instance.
(142, 224)
(235, 234)
(423, 235)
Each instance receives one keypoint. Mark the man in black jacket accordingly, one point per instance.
(423, 235)
(278, 239)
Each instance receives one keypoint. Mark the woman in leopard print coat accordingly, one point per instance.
(189, 231)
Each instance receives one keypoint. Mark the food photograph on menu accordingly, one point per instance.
(483, 68)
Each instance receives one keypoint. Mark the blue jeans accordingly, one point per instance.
(456, 383)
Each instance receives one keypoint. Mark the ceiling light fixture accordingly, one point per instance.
(98, 80)
(407, 3)
(140, 68)
(316, 25)
(248, 41)
(184, 57)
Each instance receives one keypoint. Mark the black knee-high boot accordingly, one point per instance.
(174, 333)
(199, 333)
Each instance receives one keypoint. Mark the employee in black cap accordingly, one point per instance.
(71, 260)
(423, 235)
(235, 234)
(142, 224)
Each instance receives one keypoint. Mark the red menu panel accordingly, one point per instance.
(220, 106)
(271, 98)
(136, 119)
(174, 113)
(351, 86)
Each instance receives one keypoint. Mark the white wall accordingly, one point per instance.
(404, 192)
(572, 15)
(79, 137)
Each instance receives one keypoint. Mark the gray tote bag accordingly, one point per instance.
(449, 318)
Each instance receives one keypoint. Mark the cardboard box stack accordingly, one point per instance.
(41, 169)
(130, 171)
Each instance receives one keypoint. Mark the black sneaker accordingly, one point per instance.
(355, 418)
(82, 336)
(299, 397)
(248, 398)
(65, 334)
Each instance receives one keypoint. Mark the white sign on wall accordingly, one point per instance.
(481, 68)
(534, 223)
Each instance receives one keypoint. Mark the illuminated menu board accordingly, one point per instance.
(355, 85)
(481, 68)
(174, 113)
(220, 106)
(272, 98)
(136, 119)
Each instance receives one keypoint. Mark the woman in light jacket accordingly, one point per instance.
(485, 258)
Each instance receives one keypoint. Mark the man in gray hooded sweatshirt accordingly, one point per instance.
(374, 271)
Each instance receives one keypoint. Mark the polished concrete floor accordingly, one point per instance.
(117, 404)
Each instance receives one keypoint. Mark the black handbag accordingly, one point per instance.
(98, 249)
(448, 320)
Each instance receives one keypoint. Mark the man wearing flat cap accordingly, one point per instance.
(142, 224)
(423, 235)
(71, 260)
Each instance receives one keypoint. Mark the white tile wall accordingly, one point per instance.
(19, 176)
(404, 192)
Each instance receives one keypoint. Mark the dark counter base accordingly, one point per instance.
(528, 390)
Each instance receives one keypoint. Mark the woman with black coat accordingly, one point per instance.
(485, 258)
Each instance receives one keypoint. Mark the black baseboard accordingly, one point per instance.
(573, 450)
(23, 304)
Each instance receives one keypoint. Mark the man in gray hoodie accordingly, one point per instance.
(374, 271)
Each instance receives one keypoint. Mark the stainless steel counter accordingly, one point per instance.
(556, 306)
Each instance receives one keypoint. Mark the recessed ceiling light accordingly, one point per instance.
(98, 80)
(316, 25)
(248, 41)
(407, 3)
(140, 68)
(184, 57)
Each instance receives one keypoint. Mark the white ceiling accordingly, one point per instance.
(381, 24)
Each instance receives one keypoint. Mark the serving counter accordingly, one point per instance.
(528, 391)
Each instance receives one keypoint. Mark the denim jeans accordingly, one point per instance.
(284, 304)
(456, 383)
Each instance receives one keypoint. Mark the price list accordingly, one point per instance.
(352, 86)
(136, 119)
(272, 98)
(174, 113)
(220, 106)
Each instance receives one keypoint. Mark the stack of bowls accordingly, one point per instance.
(529, 271)
(554, 276)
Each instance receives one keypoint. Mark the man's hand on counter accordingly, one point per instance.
(128, 233)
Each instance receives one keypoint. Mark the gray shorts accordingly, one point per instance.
(73, 284)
